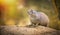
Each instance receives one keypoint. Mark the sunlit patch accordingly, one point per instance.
(9, 1)
(20, 6)
(24, 22)
(10, 22)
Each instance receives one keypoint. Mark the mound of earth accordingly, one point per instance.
(14, 30)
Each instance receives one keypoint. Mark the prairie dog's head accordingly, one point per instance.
(32, 13)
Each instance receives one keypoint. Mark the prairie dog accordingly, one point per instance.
(38, 18)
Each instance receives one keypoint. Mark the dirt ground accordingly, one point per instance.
(14, 30)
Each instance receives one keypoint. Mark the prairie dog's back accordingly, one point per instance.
(43, 17)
